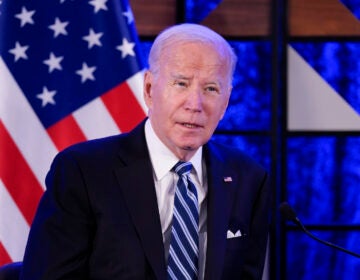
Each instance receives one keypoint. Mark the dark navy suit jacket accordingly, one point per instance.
(99, 219)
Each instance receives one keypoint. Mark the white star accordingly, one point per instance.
(98, 5)
(19, 51)
(126, 48)
(25, 16)
(93, 38)
(53, 62)
(59, 27)
(129, 15)
(46, 97)
(86, 72)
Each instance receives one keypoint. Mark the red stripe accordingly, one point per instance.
(18, 177)
(123, 107)
(4, 256)
(65, 133)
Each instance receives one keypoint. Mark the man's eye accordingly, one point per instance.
(212, 89)
(181, 84)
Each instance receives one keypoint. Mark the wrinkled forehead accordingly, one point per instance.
(195, 52)
(199, 62)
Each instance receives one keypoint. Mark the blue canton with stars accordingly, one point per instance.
(65, 53)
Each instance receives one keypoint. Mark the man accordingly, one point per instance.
(110, 210)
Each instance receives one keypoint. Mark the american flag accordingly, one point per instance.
(69, 71)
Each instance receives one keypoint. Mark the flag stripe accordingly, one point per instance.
(24, 126)
(24, 187)
(100, 124)
(4, 256)
(123, 107)
(14, 235)
(66, 132)
(135, 83)
(63, 103)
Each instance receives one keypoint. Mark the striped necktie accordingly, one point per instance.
(184, 243)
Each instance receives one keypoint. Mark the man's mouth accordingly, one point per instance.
(190, 125)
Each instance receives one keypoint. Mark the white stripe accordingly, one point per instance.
(178, 263)
(187, 209)
(95, 121)
(24, 126)
(13, 226)
(136, 84)
(180, 166)
(171, 273)
(193, 198)
(183, 250)
(185, 230)
(192, 194)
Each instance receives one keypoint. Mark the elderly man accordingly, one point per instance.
(163, 201)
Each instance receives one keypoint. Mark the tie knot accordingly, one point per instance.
(182, 168)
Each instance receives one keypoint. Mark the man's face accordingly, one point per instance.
(187, 97)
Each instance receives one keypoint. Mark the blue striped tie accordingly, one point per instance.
(184, 243)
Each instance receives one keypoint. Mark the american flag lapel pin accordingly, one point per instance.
(227, 179)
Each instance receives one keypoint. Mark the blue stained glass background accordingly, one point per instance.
(145, 49)
(197, 10)
(323, 179)
(353, 6)
(323, 175)
(308, 259)
(338, 63)
(250, 102)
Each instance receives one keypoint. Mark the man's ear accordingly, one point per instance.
(148, 79)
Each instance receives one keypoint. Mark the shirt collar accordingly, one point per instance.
(163, 159)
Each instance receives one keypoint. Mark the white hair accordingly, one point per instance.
(188, 32)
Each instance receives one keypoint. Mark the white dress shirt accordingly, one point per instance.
(163, 160)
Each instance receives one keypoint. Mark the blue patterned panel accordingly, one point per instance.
(250, 102)
(257, 147)
(308, 259)
(338, 63)
(353, 6)
(323, 179)
(145, 47)
(197, 10)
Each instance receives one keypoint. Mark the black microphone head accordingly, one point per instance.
(287, 212)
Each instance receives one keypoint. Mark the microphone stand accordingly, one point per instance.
(289, 214)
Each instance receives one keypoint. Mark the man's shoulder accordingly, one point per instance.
(110, 144)
(104, 144)
(107, 150)
(231, 155)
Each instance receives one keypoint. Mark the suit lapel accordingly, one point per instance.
(137, 185)
(221, 182)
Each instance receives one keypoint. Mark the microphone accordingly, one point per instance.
(289, 214)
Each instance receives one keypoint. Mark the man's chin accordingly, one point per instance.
(189, 148)
(190, 144)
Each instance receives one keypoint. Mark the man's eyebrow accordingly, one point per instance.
(180, 76)
(183, 77)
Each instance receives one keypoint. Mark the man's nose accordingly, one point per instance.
(194, 100)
